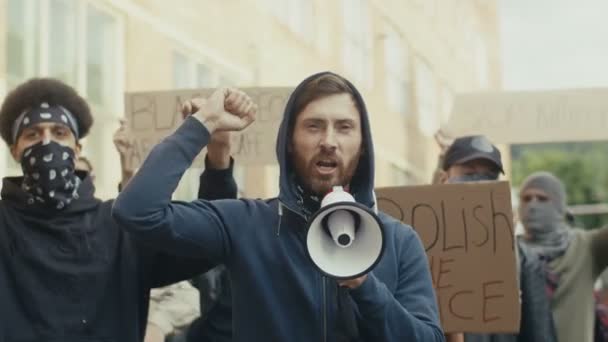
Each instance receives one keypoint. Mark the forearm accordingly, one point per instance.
(144, 207)
(384, 318)
(125, 175)
(217, 183)
(154, 333)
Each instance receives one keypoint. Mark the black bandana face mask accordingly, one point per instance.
(49, 175)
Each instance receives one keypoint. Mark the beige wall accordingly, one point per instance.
(243, 40)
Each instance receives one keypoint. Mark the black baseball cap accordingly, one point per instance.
(469, 148)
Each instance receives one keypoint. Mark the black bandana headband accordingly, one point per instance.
(44, 113)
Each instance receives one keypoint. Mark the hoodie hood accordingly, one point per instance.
(362, 184)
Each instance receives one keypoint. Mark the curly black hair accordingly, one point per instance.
(36, 91)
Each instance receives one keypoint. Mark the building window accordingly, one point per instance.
(190, 72)
(357, 51)
(23, 40)
(102, 58)
(181, 71)
(79, 43)
(62, 41)
(396, 66)
(297, 15)
(204, 76)
(426, 98)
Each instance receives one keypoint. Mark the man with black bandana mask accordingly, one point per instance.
(67, 272)
(475, 159)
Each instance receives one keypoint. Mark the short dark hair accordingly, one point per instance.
(322, 86)
(36, 91)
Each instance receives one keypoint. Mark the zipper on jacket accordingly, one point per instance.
(324, 309)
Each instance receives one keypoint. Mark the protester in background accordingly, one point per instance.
(473, 159)
(123, 141)
(69, 273)
(574, 258)
(324, 141)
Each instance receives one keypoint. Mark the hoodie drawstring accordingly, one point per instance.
(280, 218)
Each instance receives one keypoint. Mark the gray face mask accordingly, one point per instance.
(547, 231)
(541, 218)
(475, 177)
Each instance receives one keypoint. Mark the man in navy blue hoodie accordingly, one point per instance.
(278, 295)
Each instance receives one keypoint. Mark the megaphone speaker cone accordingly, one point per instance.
(345, 240)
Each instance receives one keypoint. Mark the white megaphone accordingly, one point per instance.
(345, 239)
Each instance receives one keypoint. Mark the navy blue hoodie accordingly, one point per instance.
(278, 295)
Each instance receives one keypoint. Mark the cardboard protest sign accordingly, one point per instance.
(467, 232)
(154, 115)
(532, 117)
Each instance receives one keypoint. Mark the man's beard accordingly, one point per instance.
(321, 184)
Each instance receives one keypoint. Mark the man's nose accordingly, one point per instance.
(329, 141)
(46, 136)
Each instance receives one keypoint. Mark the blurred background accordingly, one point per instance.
(409, 58)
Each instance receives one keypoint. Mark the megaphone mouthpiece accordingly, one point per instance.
(341, 226)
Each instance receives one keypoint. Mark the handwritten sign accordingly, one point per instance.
(467, 232)
(155, 115)
(532, 117)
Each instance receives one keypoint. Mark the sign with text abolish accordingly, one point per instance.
(154, 115)
(532, 116)
(467, 232)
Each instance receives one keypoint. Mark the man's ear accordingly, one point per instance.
(77, 149)
(443, 177)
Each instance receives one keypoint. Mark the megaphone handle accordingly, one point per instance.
(347, 321)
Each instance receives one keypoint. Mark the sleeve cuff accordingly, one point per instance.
(191, 136)
(371, 295)
(218, 172)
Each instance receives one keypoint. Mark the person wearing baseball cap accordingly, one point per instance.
(470, 159)
(476, 159)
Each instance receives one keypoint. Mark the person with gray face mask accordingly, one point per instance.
(474, 159)
(574, 257)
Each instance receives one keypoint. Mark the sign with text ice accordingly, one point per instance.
(154, 115)
(467, 232)
(532, 116)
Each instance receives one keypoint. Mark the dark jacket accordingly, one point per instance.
(536, 317)
(278, 294)
(74, 275)
(215, 322)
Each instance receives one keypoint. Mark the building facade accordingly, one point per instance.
(409, 59)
